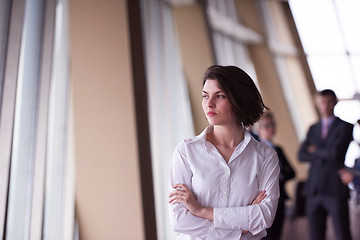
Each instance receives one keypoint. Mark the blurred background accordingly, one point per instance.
(95, 95)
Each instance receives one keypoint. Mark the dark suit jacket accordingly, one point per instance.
(328, 158)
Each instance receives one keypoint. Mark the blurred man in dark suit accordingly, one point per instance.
(325, 147)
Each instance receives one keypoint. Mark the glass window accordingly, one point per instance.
(4, 25)
(9, 47)
(287, 66)
(348, 12)
(167, 108)
(318, 26)
(22, 159)
(334, 72)
(59, 179)
(40, 195)
(330, 35)
(229, 50)
(355, 63)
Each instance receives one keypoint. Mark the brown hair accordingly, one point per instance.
(245, 99)
(328, 92)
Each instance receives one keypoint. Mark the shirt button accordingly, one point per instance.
(225, 196)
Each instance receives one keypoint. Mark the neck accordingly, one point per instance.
(327, 117)
(230, 136)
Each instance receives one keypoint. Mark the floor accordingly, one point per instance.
(297, 229)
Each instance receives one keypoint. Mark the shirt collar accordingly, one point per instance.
(239, 148)
(242, 145)
(270, 144)
(328, 121)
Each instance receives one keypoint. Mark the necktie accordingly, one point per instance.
(324, 130)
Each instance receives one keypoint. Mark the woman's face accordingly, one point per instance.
(216, 105)
(267, 129)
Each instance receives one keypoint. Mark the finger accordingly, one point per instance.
(174, 201)
(261, 195)
(255, 202)
(261, 198)
(173, 193)
(178, 194)
(181, 187)
(175, 198)
(177, 191)
(178, 186)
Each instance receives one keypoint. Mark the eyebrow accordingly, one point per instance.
(215, 92)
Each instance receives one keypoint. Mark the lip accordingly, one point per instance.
(211, 114)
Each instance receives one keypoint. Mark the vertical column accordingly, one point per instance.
(36, 222)
(268, 78)
(142, 119)
(108, 185)
(8, 102)
(196, 54)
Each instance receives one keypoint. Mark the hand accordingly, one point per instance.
(183, 195)
(258, 199)
(346, 177)
(311, 148)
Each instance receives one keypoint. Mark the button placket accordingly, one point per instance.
(225, 183)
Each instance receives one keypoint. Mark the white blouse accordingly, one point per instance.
(229, 188)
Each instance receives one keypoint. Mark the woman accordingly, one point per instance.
(266, 132)
(218, 179)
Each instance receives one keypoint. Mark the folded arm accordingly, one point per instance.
(332, 149)
(181, 219)
(191, 218)
(254, 218)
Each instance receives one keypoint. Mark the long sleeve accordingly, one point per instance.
(286, 171)
(335, 149)
(304, 155)
(229, 187)
(254, 218)
(332, 149)
(182, 220)
(327, 159)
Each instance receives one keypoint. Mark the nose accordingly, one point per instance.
(210, 103)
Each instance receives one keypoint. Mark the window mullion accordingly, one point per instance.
(22, 153)
(37, 207)
(8, 102)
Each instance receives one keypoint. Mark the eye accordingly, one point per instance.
(220, 96)
(205, 96)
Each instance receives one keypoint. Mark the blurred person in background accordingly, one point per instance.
(351, 177)
(266, 131)
(325, 148)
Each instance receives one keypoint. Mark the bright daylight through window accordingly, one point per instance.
(331, 40)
